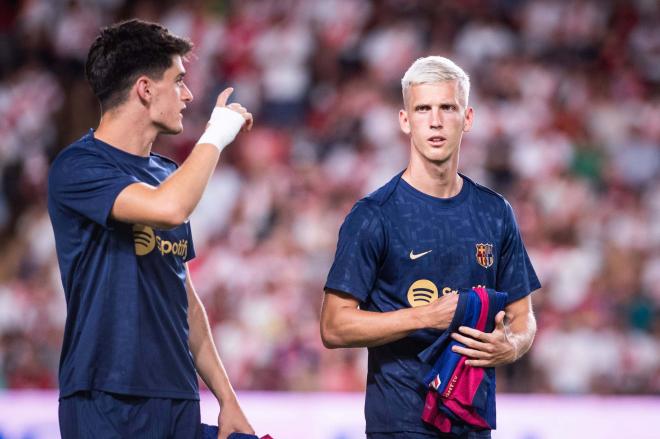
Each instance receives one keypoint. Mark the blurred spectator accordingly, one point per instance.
(567, 127)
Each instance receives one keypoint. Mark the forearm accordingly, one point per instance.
(521, 329)
(188, 182)
(207, 361)
(186, 185)
(344, 325)
(357, 328)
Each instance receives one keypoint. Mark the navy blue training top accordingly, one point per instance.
(126, 328)
(400, 248)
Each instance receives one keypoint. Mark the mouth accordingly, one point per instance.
(436, 140)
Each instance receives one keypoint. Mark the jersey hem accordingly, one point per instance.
(343, 289)
(107, 209)
(416, 430)
(513, 297)
(132, 391)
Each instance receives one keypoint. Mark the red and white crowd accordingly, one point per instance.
(567, 127)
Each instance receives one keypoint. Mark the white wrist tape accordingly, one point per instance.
(224, 125)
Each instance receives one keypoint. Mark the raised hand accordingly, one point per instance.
(221, 101)
(226, 121)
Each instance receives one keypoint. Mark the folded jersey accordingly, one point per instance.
(461, 398)
(211, 432)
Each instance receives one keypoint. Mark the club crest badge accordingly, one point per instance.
(485, 255)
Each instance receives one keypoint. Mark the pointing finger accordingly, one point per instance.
(222, 97)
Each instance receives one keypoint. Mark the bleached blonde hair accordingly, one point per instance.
(434, 69)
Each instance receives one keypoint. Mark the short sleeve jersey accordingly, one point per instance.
(126, 329)
(400, 248)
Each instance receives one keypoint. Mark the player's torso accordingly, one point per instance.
(433, 249)
(128, 281)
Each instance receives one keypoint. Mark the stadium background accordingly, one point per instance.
(567, 127)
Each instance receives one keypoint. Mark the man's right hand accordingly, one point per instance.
(226, 121)
(221, 101)
(439, 314)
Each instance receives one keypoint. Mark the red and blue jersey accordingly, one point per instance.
(462, 398)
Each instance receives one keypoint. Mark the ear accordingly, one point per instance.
(143, 88)
(469, 118)
(404, 123)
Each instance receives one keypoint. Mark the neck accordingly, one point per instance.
(440, 180)
(125, 130)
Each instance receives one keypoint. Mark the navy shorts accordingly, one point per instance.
(484, 434)
(101, 415)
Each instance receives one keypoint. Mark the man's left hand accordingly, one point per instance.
(486, 349)
(232, 420)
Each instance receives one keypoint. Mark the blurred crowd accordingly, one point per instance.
(567, 127)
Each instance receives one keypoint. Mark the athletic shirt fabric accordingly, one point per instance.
(398, 248)
(126, 329)
(461, 398)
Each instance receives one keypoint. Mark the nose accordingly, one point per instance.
(436, 118)
(187, 95)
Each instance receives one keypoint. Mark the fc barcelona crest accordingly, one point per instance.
(485, 255)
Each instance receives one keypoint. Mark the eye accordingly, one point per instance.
(422, 108)
(448, 107)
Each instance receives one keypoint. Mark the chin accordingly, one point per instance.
(172, 130)
(437, 158)
(436, 155)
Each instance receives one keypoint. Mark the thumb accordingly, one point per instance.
(222, 97)
(499, 320)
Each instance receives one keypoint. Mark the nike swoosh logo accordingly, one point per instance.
(414, 256)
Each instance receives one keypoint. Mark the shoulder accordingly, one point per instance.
(371, 206)
(76, 156)
(368, 216)
(364, 224)
(484, 191)
(382, 195)
(164, 161)
(365, 209)
(487, 195)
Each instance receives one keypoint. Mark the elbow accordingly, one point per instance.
(532, 328)
(330, 337)
(330, 342)
(172, 215)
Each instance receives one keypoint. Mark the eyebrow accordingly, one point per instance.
(439, 104)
